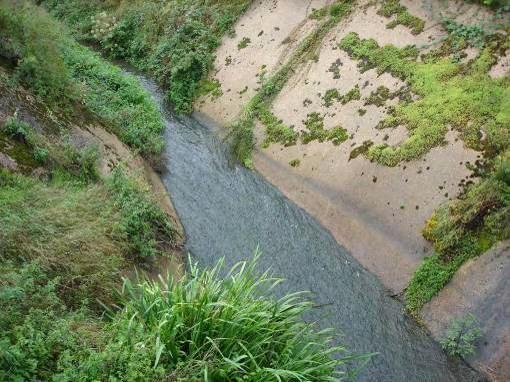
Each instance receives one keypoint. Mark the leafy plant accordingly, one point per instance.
(16, 128)
(461, 337)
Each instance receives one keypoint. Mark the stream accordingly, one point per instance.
(229, 211)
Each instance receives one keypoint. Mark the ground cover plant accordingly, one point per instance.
(461, 336)
(401, 16)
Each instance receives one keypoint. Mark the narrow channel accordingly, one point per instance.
(228, 211)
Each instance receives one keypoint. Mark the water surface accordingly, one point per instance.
(227, 211)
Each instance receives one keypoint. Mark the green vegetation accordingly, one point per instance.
(200, 328)
(451, 95)
(461, 337)
(68, 75)
(276, 130)
(315, 131)
(463, 229)
(242, 138)
(31, 149)
(295, 162)
(402, 16)
(68, 235)
(465, 98)
(243, 43)
(379, 96)
(332, 95)
(351, 95)
(212, 87)
(174, 41)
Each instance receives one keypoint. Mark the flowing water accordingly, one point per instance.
(227, 211)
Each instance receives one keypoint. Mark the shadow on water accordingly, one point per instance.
(227, 211)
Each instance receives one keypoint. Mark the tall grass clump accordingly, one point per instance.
(206, 327)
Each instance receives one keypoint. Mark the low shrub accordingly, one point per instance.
(461, 337)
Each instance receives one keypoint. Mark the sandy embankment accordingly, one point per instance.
(376, 212)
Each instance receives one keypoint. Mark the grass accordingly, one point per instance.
(174, 41)
(86, 232)
(201, 328)
(68, 228)
(31, 149)
(70, 76)
(242, 138)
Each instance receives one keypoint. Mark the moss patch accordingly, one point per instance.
(243, 43)
(315, 131)
(402, 16)
(463, 97)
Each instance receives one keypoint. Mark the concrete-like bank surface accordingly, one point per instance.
(227, 210)
(375, 212)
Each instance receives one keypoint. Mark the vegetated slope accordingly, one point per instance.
(174, 41)
(463, 97)
(70, 230)
(80, 77)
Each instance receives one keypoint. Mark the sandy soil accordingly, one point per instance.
(376, 212)
(274, 28)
